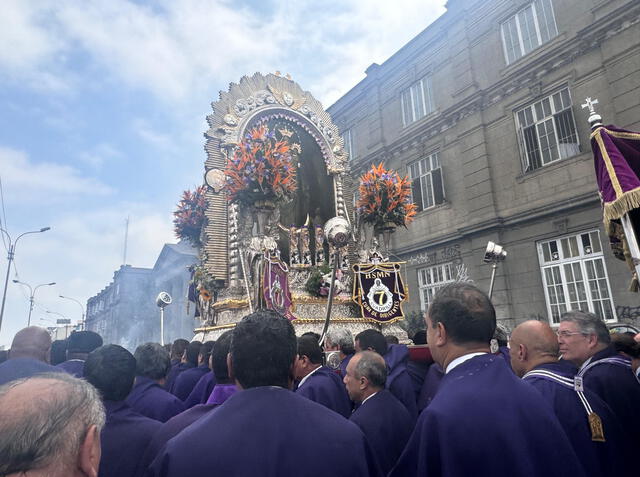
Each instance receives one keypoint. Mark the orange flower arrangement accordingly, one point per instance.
(262, 168)
(385, 197)
(189, 218)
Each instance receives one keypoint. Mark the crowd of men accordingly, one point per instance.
(260, 401)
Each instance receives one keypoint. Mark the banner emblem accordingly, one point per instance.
(275, 287)
(379, 290)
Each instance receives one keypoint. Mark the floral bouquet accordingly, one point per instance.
(385, 198)
(189, 218)
(261, 169)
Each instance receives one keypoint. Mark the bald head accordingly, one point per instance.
(32, 342)
(532, 343)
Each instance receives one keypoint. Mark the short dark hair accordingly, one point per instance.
(308, 346)
(219, 357)
(263, 350)
(83, 342)
(624, 343)
(152, 361)
(313, 334)
(372, 339)
(372, 367)
(392, 339)
(589, 324)
(178, 347)
(420, 337)
(58, 352)
(193, 350)
(111, 369)
(205, 350)
(466, 313)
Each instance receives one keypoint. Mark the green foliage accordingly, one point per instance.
(315, 279)
(413, 322)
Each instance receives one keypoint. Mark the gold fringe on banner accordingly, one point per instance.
(622, 205)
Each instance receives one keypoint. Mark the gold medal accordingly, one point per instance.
(597, 431)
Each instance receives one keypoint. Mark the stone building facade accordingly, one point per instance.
(483, 111)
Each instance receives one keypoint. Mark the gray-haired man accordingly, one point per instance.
(50, 426)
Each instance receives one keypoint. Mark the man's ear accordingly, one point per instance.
(232, 375)
(522, 352)
(441, 334)
(592, 341)
(89, 455)
(364, 382)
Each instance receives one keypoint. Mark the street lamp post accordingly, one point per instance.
(11, 255)
(82, 324)
(32, 294)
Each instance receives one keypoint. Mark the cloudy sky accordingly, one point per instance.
(103, 106)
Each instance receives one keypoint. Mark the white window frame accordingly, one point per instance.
(419, 98)
(347, 137)
(560, 266)
(546, 114)
(431, 279)
(423, 169)
(538, 10)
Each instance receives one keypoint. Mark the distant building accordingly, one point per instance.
(482, 110)
(125, 311)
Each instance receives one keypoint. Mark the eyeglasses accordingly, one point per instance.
(566, 334)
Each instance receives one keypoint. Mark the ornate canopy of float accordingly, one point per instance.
(281, 220)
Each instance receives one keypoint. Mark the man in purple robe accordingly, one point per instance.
(534, 357)
(29, 355)
(340, 340)
(148, 396)
(585, 341)
(430, 386)
(178, 348)
(79, 345)
(188, 379)
(222, 391)
(396, 356)
(317, 382)
(202, 390)
(484, 420)
(386, 423)
(265, 429)
(126, 434)
(190, 361)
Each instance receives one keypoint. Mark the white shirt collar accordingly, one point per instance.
(461, 359)
(369, 397)
(305, 378)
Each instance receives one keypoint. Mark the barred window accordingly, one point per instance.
(547, 131)
(531, 27)
(575, 277)
(416, 101)
(431, 279)
(427, 189)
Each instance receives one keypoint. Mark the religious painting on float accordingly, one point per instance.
(275, 286)
(379, 291)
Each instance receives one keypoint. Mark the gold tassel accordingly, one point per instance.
(597, 431)
(625, 203)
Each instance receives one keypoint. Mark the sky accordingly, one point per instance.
(102, 115)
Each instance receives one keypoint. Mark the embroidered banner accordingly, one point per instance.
(379, 290)
(275, 287)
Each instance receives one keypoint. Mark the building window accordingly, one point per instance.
(575, 277)
(531, 27)
(431, 279)
(427, 189)
(547, 131)
(416, 101)
(348, 144)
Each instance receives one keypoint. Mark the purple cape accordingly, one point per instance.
(75, 367)
(325, 387)
(268, 431)
(344, 363)
(222, 392)
(386, 424)
(618, 387)
(124, 438)
(17, 368)
(150, 399)
(187, 380)
(599, 459)
(398, 380)
(174, 372)
(202, 390)
(486, 421)
(430, 385)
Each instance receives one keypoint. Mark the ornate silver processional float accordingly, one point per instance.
(283, 227)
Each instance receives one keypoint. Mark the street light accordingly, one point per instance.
(33, 292)
(81, 307)
(11, 255)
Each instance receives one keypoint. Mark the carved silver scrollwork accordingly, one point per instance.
(260, 98)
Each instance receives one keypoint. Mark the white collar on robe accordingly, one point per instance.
(461, 359)
(305, 378)
(369, 397)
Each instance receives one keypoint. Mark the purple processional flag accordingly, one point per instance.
(616, 154)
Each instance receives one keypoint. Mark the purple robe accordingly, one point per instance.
(124, 438)
(202, 390)
(174, 372)
(344, 363)
(150, 399)
(17, 368)
(75, 367)
(187, 380)
(268, 431)
(430, 386)
(618, 387)
(325, 387)
(386, 424)
(505, 352)
(486, 421)
(417, 371)
(599, 459)
(398, 380)
(178, 423)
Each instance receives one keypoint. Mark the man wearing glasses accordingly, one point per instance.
(585, 341)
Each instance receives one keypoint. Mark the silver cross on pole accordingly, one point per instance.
(594, 119)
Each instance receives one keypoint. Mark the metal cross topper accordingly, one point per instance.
(594, 118)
